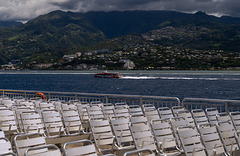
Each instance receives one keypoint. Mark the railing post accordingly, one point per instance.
(106, 98)
(25, 94)
(141, 101)
(226, 106)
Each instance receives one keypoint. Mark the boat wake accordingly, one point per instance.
(179, 78)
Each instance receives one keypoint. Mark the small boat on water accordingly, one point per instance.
(106, 74)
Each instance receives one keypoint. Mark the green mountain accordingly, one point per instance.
(48, 37)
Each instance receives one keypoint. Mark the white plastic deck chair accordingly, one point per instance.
(211, 114)
(8, 122)
(223, 117)
(142, 136)
(121, 110)
(140, 152)
(23, 141)
(187, 116)
(72, 122)
(211, 139)
(163, 134)
(122, 133)
(165, 112)
(135, 119)
(66, 106)
(199, 117)
(95, 112)
(228, 136)
(82, 111)
(53, 123)
(103, 136)
(190, 141)
(135, 110)
(5, 147)
(108, 110)
(32, 122)
(8, 102)
(52, 150)
(151, 114)
(235, 116)
(96, 103)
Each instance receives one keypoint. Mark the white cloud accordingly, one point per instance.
(27, 9)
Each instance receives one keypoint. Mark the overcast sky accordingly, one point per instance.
(24, 10)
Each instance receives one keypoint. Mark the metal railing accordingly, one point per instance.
(158, 101)
(222, 105)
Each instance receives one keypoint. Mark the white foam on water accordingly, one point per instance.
(139, 77)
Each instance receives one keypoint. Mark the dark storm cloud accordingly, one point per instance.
(27, 9)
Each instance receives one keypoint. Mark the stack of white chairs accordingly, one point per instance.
(228, 136)
(211, 139)
(31, 122)
(163, 134)
(53, 123)
(122, 132)
(8, 122)
(102, 135)
(72, 122)
(142, 135)
(190, 141)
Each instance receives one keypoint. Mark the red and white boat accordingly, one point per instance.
(105, 74)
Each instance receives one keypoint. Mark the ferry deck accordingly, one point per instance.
(64, 123)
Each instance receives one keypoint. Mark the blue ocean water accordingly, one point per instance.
(181, 84)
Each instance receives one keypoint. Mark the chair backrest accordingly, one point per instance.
(31, 122)
(211, 139)
(5, 147)
(187, 115)
(49, 150)
(228, 136)
(142, 136)
(8, 102)
(223, 117)
(151, 114)
(121, 111)
(199, 117)
(190, 141)
(24, 141)
(165, 112)
(164, 136)
(107, 109)
(102, 134)
(135, 110)
(7, 121)
(72, 121)
(53, 123)
(175, 109)
(140, 152)
(211, 114)
(95, 112)
(81, 147)
(122, 132)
